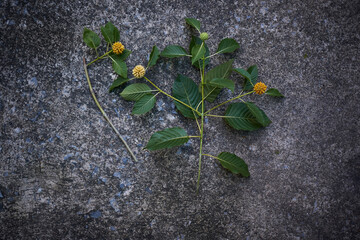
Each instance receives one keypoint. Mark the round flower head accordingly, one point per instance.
(260, 88)
(138, 71)
(118, 48)
(204, 36)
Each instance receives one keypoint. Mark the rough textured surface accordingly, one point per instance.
(65, 175)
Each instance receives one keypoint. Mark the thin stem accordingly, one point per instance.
(204, 154)
(101, 57)
(197, 123)
(202, 126)
(237, 97)
(212, 55)
(104, 114)
(211, 115)
(194, 136)
(172, 96)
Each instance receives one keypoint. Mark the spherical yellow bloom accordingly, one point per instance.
(138, 71)
(118, 48)
(260, 88)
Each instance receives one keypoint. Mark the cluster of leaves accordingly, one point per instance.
(111, 35)
(189, 97)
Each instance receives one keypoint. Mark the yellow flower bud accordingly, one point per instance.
(260, 88)
(118, 48)
(139, 71)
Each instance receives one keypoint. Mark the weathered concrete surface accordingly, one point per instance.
(65, 175)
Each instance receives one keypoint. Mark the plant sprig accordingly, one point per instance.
(190, 98)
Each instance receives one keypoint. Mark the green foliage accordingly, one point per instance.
(250, 75)
(167, 138)
(245, 116)
(110, 33)
(197, 52)
(119, 65)
(91, 39)
(222, 82)
(274, 92)
(197, 41)
(188, 96)
(249, 85)
(258, 114)
(227, 45)
(220, 71)
(144, 104)
(233, 163)
(173, 51)
(135, 91)
(117, 83)
(154, 56)
(186, 90)
(193, 22)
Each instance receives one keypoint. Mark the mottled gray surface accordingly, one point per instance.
(65, 175)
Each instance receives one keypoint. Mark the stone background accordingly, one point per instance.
(65, 175)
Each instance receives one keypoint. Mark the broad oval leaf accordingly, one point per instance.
(186, 90)
(135, 91)
(110, 33)
(223, 82)
(274, 92)
(243, 73)
(239, 116)
(193, 22)
(197, 53)
(173, 51)
(220, 71)
(253, 71)
(258, 114)
(91, 39)
(233, 163)
(154, 56)
(144, 104)
(121, 56)
(250, 76)
(118, 82)
(197, 41)
(227, 45)
(119, 65)
(167, 138)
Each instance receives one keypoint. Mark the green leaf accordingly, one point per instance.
(253, 71)
(274, 92)
(243, 73)
(144, 104)
(119, 65)
(121, 56)
(197, 53)
(220, 71)
(173, 51)
(135, 91)
(110, 33)
(167, 138)
(239, 116)
(91, 39)
(223, 82)
(117, 83)
(193, 22)
(197, 41)
(233, 163)
(186, 90)
(153, 56)
(258, 114)
(227, 45)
